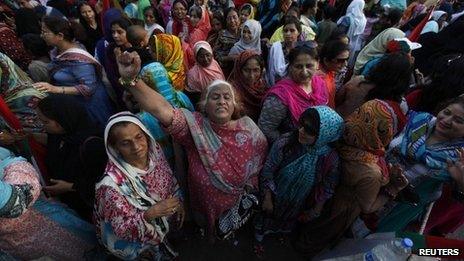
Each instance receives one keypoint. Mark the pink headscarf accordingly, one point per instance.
(200, 77)
(296, 99)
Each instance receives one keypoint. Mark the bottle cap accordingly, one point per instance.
(407, 242)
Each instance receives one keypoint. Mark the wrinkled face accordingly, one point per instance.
(204, 57)
(303, 69)
(251, 71)
(49, 37)
(220, 105)
(119, 35)
(246, 34)
(338, 63)
(87, 13)
(290, 33)
(25, 4)
(149, 17)
(232, 20)
(179, 11)
(244, 15)
(450, 122)
(50, 126)
(131, 142)
(217, 25)
(194, 19)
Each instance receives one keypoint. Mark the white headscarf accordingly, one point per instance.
(357, 18)
(255, 43)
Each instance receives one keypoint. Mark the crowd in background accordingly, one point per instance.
(121, 120)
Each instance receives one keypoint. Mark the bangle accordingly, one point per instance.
(129, 83)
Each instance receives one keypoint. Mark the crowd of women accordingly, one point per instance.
(120, 120)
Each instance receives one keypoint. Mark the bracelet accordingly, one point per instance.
(129, 83)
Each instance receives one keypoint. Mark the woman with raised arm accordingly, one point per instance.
(225, 151)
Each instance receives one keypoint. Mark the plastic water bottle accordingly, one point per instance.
(394, 250)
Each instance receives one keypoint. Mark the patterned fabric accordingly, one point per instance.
(275, 119)
(125, 193)
(252, 96)
(223, 159)
(12, 46)
(368, 130)
(168, 52)
(434, 156)
(40, 227)
(17, 91)
(294, 180)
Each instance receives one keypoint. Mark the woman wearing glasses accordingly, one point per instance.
(291, 96)
(333, 58)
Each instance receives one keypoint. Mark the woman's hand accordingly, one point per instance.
(129, 64)
(163, 208)
(59, 187)
(397, 179)
(46, 87)
(268, 206)
(456, 169)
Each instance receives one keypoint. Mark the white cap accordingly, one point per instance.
(412, 45)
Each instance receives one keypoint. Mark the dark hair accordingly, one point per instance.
(328, 12)
(27, 21)
(69, 30)
(259, 59)
(132, 35)
(81, 18)
(330, 50)
(391, 77)
(219, 16)
(307, 4)
(394, 16)
(197, 10)
(182, 2)
(295, 52)
(294, 7)
(444, 86)
(35, 45)
(292, 20)
(156, 14)
(458, 100)
(228, 10)
(310, 120)
(337, 35)
(122, 22)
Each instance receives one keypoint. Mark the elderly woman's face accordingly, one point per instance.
(204, 58)
(251, 71)
(220, 104)
(303, 68)
(131, 142)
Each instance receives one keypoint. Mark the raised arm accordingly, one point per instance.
(129, 67)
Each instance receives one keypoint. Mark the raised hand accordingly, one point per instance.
(129, 64)
(398, 180)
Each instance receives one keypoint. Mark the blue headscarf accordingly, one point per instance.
(6, 158)
(295, 181)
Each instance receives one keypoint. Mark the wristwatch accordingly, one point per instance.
(129, 83)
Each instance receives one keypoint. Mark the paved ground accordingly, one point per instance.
(197, 248)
